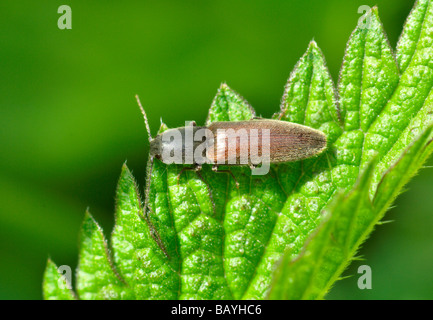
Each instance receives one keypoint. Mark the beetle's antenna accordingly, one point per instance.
(144, 116)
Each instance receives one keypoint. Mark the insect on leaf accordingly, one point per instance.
(291, 233)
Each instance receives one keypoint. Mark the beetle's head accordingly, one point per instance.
(168, 146)
(155, 147)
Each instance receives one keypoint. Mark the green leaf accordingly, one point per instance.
(291, 233)
(368, 77)
(139, 254)
(403, 110)
(309, 99)
(229, 106)
(96, 277)
(411, 35)
(347, 223)
(56, 286)
(250, 212)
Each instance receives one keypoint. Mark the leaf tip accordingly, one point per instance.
(87, 214)
(224, 86)
(88, 226)
(162, 127)
(314, 50)
(374, 12)
(313, 44)
(125, 176)
(50, 264)
(224, 89)
(124, 167)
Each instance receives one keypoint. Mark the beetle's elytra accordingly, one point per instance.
(287, 141)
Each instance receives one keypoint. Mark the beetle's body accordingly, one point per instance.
(287, 142)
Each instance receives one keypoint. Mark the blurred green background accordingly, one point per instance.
(69, 119)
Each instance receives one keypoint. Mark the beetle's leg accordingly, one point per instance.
(192, 123)
(215, 169)
(257, 118)
(195, 168)
(280, 115)
(182, 171)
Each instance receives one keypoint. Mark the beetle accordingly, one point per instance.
(228, 143)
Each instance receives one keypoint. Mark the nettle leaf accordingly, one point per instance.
(390, 118)
(96, 276)
(348, 221)
(411, 35)
(291, 233)
(140, 254)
